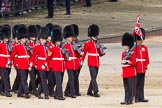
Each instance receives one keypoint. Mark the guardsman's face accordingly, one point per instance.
(23, 40)
(49, 38)
(69, 39)
(126, 48)
(32, 38)
(139, 42)
(16, 39)
(5, 39)
(58, 43)
(42, 41)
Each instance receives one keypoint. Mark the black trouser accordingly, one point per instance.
(16, 81)
(5, 73)
(128, 85)
(76, 81)
(43, 84)
(59, 79)
(51, 82)
(23, 85)
(50, 7)
(93, 86)
(70, 88)
(140, 81)
(88, 2)
(67, 2)
(1, 86)
(33, 77)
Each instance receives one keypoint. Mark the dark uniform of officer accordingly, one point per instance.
(50, 8)
(88, 3)
(67, 2)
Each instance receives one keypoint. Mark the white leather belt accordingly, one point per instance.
(41, 58)
(125, 65)
(91, 54)
(24, 56)
(142, 60)
(3, 55)
(72, 58)
(57, 58)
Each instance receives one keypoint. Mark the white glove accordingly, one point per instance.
(43, 67)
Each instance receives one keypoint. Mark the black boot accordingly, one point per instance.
(8, 94)
(96, 95)
(46, 97)
(60, 98)
(40, 97)
(90, 94)
(27, 96)
(20, 95)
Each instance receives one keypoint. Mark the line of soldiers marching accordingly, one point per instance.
(41, 53)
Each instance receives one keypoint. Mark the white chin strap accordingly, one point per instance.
(94, 38)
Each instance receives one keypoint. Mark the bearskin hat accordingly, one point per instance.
(6, 31)
(139, 37)
(14, 31)
(44, 33)
(76, 30)
(22, 32)
(128, 40)
(68, 31)
(93, 30)
(32, 31)
(57, 34)
(50, 26)
(7, 25)
(57, 26)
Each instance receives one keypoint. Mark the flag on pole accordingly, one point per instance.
(137, 30)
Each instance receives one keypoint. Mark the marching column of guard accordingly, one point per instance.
(40, 55)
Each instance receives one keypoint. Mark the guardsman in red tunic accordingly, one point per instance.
(142, 62)
(4, 58)
(33, 34)
(40, 52)
(70, 64)
(78, 47)
(94, 53)
(15, 86)
(23, 61)
(1, 82)
(49, 44)
(128, 67)
(58, 61)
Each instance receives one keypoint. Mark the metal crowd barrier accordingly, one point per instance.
(14, 6)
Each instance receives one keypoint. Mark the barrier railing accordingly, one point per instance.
(13, 6)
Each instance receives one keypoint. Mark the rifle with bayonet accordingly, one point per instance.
(100, 47)
(28, 47)
(127, 55)
(10, 47)
(77, 47)
(65, 52)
